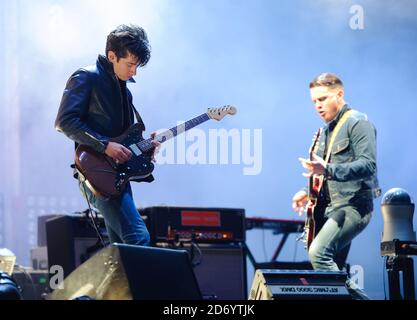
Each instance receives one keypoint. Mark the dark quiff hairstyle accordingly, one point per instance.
(129, 39)
(326, 80)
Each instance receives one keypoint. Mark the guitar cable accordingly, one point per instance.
(196, 259)
(93, 219)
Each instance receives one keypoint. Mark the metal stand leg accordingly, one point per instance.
(249, 255)
(394, 266)
(408, 276)
(280, 246)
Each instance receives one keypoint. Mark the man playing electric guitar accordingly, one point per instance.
(315, 206)
(346, 159)
(97, 112)
(97, 106)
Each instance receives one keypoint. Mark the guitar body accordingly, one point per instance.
(312, 209)
(107, 179)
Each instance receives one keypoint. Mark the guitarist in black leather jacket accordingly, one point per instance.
(96, 106)
(350, 177)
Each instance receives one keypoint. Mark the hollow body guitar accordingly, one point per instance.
(107, 179)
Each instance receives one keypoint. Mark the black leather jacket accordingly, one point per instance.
(94, 107)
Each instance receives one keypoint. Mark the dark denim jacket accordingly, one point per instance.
(351, 174)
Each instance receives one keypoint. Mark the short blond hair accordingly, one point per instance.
(326, 80)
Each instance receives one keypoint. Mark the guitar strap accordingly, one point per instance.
(140, 121)
(138, 117)
(334, 134)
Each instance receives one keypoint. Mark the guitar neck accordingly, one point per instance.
(313, 188)
(146, 145)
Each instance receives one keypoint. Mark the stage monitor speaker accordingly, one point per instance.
(220, 270)
(284, 265)
(126, 272)
(72, 239)
(271, 284)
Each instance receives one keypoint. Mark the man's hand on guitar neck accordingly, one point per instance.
(119, 153)
(315, 166)
(157, 146)
(299, 202)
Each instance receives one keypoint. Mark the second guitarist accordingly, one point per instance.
(346, 160)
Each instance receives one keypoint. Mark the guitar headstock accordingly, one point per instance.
(220, 113)
(314, 145)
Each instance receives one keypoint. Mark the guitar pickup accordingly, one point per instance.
(134, 148)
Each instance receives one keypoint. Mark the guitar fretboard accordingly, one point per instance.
(146, 145)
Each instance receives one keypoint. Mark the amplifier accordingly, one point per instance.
(269, 284)
(33, 284)
(204, 225)
(398, 248)
(72, 239)
(42, 227)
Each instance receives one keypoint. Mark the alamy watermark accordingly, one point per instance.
(357, 21)
(357, 275)
(218, 147)
(56, 279)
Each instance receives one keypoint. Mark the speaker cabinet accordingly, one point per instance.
(71, 240)
(126, 272)
(299, 284)
(220, 270)
(42, 228)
